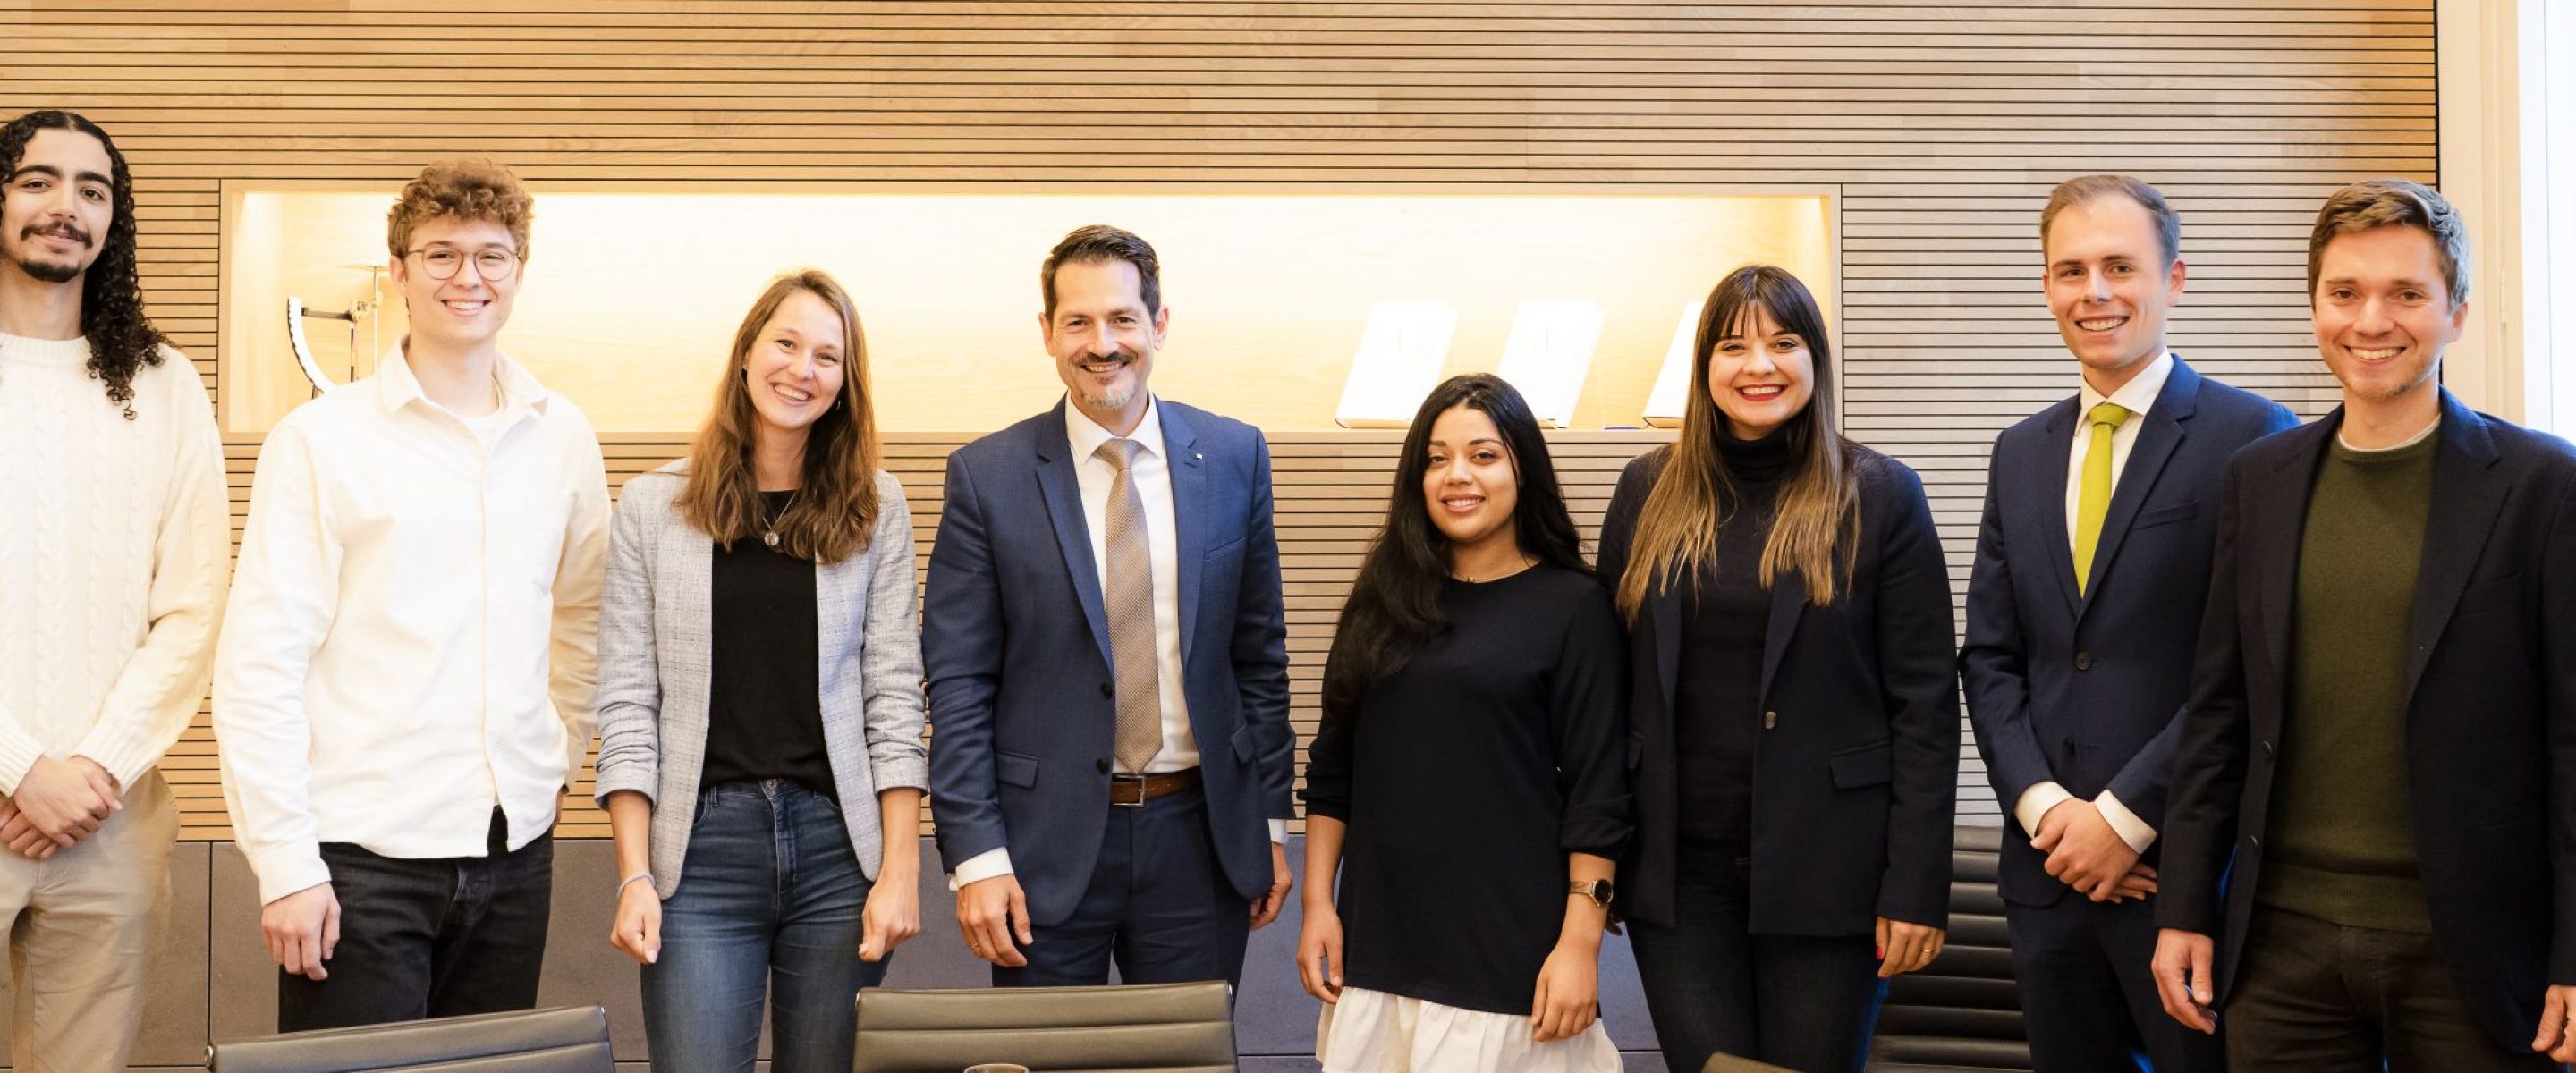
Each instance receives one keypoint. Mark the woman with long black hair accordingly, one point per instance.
(1467, 781)
(1795, 708)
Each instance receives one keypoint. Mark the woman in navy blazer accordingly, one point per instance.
(1794, 724)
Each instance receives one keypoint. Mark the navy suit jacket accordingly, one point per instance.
(2088, 690)
(2490, 710)
(1856, 774)
(1016, 648)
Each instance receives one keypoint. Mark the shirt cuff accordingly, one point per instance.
(2035, 803)
(980, 867)
(2125, 823)
(1279, 831)
(288, 869)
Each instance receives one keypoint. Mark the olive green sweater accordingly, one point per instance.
(2341, 831)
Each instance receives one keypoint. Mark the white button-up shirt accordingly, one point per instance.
(410, 640)
(2137, 396)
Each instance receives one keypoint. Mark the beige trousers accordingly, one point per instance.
(81, 927)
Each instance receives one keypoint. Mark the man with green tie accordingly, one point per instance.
(2083, 611)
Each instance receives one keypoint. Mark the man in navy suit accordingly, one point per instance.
(1108, 665)
(2371, 850)
(2083, 611)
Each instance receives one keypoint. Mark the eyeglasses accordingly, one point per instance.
(441, 262)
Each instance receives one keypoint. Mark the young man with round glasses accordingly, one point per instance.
(404, 685)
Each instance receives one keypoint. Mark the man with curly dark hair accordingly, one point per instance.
(96, 271)
(111, 576)
(404, 686)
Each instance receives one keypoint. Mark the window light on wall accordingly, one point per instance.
(631, 295)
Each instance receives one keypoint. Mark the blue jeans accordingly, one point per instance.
(1713, 986)
(770, 893)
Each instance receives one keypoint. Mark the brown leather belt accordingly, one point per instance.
(1133, 790)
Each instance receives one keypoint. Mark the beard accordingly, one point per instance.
(63, 271)
(1115, 400)
(51, 271)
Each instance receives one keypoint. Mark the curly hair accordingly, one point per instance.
(465, 190)
(121, 338)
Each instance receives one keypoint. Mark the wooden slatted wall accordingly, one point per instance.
(1943, 127)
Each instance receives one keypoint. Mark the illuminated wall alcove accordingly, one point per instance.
(631, 294)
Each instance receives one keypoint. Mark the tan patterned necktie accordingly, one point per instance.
(1132, 651)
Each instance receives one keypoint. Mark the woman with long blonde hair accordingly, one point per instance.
(760, 704)
(1794, 716)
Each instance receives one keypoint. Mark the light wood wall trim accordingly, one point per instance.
(1943, 126)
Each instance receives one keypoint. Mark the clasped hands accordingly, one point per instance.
(58, 803)
(2086, 853)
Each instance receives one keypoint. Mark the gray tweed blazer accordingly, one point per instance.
(655, 646)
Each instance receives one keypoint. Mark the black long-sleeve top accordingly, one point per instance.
(1465, 779)
(764, 697)
(1718, 699)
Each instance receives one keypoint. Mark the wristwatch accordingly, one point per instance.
(1598, 890)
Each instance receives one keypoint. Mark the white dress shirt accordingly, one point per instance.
(1152, 472)
(2137, 396)
(410, 640)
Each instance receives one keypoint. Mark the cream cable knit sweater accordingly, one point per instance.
(114, 536)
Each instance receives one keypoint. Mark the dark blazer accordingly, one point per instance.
(1016, 648)
(2490, 715)
(2088, 690)
(1856, 773)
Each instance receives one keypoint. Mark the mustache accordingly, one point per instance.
(70, 231)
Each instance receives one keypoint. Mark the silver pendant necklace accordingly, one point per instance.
(769, 524)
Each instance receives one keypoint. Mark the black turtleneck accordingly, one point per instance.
(1717, 718)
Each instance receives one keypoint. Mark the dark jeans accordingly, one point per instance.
(2088, 995)
(1157, 903)
(428, 937)
(768, 907)
(1800, 1001)
(2324, 998)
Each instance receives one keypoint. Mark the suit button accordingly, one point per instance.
(2267, 750)
(1102, 764)
(2070, 748)
(1106, 691)
(1770, 719)
(2084, 661)
(2254, 842)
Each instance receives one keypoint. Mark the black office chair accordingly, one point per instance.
(573, 1039)
(1167, 1028)
(1962, 1012)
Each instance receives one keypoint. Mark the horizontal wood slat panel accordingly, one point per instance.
(1943, 128)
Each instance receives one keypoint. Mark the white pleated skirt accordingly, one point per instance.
(1375, 1032)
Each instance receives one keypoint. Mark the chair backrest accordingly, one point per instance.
(1962, 1012)
(1168, 1028)
(573, 1039)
